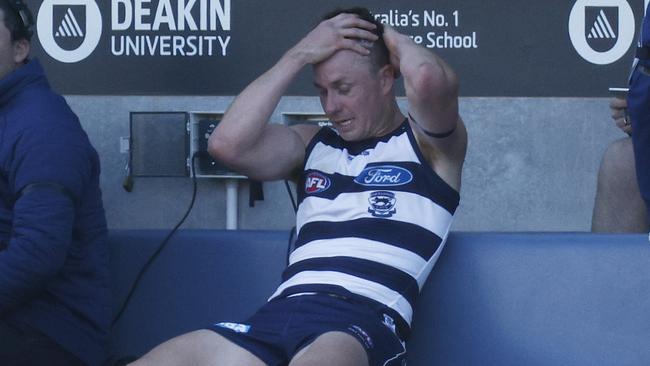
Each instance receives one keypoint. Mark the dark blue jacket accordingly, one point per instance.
(53, 249)
(639, 108)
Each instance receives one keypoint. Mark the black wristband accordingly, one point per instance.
(433, 134)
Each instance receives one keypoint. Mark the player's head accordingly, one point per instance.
(379, 56)
(356, 91)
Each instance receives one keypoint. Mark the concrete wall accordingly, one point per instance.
(531, 165)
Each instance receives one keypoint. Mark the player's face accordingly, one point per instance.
(351, 95)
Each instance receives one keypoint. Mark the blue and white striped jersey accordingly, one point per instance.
(372, 220)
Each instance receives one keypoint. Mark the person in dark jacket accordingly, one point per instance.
(639, 108)
(54, 286)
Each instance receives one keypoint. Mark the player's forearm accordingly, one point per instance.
(425, 74)
(431, 85)
(243, 125)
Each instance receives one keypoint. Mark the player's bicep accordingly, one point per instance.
(277, 155)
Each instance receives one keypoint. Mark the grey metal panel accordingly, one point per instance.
(159, 144)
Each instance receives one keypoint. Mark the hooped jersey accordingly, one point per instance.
(372, 220)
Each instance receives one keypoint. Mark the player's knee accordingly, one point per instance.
(618, 160)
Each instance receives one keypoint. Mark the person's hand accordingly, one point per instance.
(618, 107)
(344, 31)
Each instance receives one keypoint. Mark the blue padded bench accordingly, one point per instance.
(492, 299)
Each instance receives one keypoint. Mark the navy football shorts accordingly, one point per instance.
(282, 327)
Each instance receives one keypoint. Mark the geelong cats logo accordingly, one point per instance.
(382, 204)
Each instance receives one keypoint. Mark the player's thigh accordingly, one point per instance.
(198, 348)
(332, 348)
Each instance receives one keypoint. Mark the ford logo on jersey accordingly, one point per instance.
(384, 176)
(316, 182)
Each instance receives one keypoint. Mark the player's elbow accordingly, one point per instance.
(435, 79)
(222, 149)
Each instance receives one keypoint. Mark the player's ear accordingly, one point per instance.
(387, 78)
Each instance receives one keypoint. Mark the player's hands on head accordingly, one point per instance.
(343, 32)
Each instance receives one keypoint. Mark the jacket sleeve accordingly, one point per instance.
(43, 218)
(639, 110)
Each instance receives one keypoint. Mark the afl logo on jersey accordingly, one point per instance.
(316, 182)
(384, 176)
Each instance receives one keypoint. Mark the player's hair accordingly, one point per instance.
(379, 55)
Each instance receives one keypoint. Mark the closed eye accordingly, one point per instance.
(344, 89)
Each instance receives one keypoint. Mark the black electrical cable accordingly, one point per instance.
(292, 233)
(293, 229)
(293, 200)
(162, 246)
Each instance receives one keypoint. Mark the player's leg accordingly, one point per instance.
(618, 206)
(198, 348)
(332, 348)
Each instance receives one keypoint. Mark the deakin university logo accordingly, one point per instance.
(601, 31)
(69, 30)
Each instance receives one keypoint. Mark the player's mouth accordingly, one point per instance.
(343, 123)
